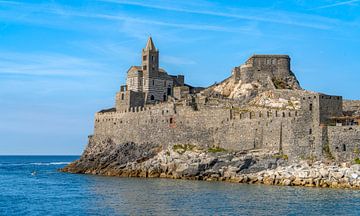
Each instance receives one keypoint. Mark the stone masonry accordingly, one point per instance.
(260, 106)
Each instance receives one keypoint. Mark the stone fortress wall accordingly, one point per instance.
(297, 133)
(310, 129)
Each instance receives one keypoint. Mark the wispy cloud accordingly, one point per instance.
(278, 17)
(9, 2)
(49, 64)
(175, 60)
(71, 12)
(338, 4)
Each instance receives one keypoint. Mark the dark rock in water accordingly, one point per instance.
(113, 156)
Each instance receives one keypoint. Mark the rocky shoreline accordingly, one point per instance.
(253, 167)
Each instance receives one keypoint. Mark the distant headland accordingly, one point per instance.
(256, 126)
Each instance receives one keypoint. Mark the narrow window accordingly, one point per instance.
(171, 120)
(164, 83)
(153, 82)
(122, 96)
(344, 147)
(144, 67)
(310, 131)
(144, 58)
(311, 107)
(152, 97)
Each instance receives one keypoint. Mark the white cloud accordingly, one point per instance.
(174, 60)
(261, 15)
(46, 64)
(351, 2)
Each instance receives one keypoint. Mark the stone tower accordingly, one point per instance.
(150, 60)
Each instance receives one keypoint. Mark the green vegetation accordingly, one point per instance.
(281, 156)
(357, 160)
(181, 149)
(356, 150)
(216, 149)
(326, 149)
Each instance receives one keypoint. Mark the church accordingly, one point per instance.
(147, 83)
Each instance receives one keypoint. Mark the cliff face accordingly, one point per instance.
(102, 155)
(260, 73)
(257, 120)
(216, 164)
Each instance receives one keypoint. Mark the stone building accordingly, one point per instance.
(148, 83)
(260, 106)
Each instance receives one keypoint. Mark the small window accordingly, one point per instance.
(144, 58)
(153, 58)
(144, 67)
(153, 82)
(311, 107)
(152, 97)
(165, 83)
(171, 120)
(310, 131)
(344, 147)
(122, 96)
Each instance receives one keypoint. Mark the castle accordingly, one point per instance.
(260, 106)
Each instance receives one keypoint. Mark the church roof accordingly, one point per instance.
(134, 71)
(150, 45)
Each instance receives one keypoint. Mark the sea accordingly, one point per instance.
(32, 185)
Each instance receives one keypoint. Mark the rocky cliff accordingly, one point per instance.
(214, 164)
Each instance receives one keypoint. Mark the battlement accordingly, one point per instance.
(260, 106)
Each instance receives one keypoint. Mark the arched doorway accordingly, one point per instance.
(169, 90)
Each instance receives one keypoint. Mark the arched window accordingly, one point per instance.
(122, 96)
(164, 97)
(152, 97)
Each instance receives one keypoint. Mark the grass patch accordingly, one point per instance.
(216, 149)
(357, 160)
(281, 156)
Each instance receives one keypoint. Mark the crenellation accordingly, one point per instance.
(260, 106)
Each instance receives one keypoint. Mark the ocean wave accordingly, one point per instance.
(50, 163)
(35, 163)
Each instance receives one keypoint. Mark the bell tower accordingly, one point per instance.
(150, 60)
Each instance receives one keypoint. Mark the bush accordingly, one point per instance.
(216, 149)
(183, 148)
(357, 160)
(281, 156)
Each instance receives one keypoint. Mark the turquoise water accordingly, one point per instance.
(53, 193)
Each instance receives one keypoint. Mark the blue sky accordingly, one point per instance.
(61, 61)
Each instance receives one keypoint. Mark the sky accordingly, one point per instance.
(61, 61)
